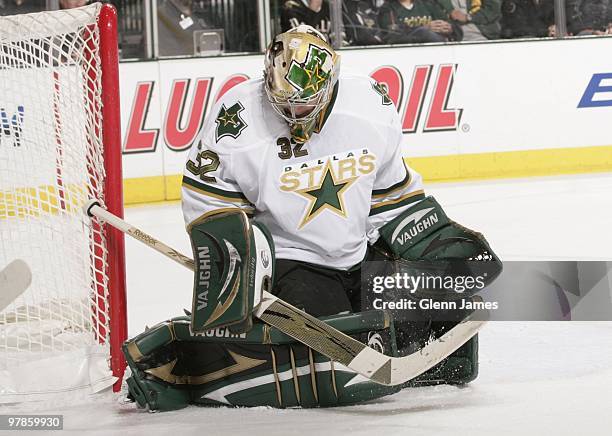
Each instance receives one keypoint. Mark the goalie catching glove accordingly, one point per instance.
(425, 242)
(234, 264)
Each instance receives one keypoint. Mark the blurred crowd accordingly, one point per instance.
(364, 22)
(368, 22)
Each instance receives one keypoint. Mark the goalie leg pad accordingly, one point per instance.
(415, 328)
(172, 368)
(459, 368)
(234, 264)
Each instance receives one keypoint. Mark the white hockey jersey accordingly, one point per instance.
(322, 200)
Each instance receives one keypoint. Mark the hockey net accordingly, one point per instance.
(60, 147)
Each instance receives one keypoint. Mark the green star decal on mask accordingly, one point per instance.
(229, 122)
(382, 90)
(328, 195)
(309, 77)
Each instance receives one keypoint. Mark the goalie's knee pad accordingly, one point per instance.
(171, 368)
(234, 264)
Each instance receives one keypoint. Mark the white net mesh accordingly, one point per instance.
(51, 163)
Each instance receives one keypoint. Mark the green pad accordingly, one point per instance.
(172, 368)
(225, 256)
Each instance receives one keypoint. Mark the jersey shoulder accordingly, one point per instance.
(237, 117)
(362, 96)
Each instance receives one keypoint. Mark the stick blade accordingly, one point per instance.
(15, 278)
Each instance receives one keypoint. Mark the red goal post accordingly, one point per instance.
(111, 113)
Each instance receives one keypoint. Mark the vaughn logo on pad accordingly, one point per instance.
(414, 224)
(203, 277)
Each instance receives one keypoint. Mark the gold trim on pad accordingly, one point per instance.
(279, 393)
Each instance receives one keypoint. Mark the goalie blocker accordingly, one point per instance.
(234, 264)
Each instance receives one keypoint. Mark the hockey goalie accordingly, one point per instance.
(296, 185)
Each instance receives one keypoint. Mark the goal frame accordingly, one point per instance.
(60, 146)
(111, 137)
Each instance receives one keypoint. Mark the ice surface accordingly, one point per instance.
(536, 378)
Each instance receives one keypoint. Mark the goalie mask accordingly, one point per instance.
(301, 70)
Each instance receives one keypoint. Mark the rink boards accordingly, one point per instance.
(469, 111)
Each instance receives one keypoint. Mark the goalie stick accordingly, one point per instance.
(15, 278)
(318, 335)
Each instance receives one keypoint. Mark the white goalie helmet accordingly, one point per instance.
(300, 72)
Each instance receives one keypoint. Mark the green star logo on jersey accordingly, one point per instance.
(381, 89)
(328, 195)
(229, 122)
(310, 76)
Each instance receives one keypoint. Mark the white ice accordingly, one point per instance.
(536, 378)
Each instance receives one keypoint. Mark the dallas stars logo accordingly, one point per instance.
(328, 195)
(229, 122)
(309, 76)
(382, 90)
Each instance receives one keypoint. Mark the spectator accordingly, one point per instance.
(360, 19)
(413, 21)
(13, 7)
(527, 18)
(589, 17)
(479, 19)
(69, 4)
(315, 13)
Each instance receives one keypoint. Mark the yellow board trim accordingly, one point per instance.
(144, 190)
(173, 186)
(499, 165)
(42, 200)
(514, 164)
(481, 166)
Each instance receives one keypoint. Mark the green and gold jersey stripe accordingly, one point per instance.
(385, 206)
(379, 193)
(210, 191)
